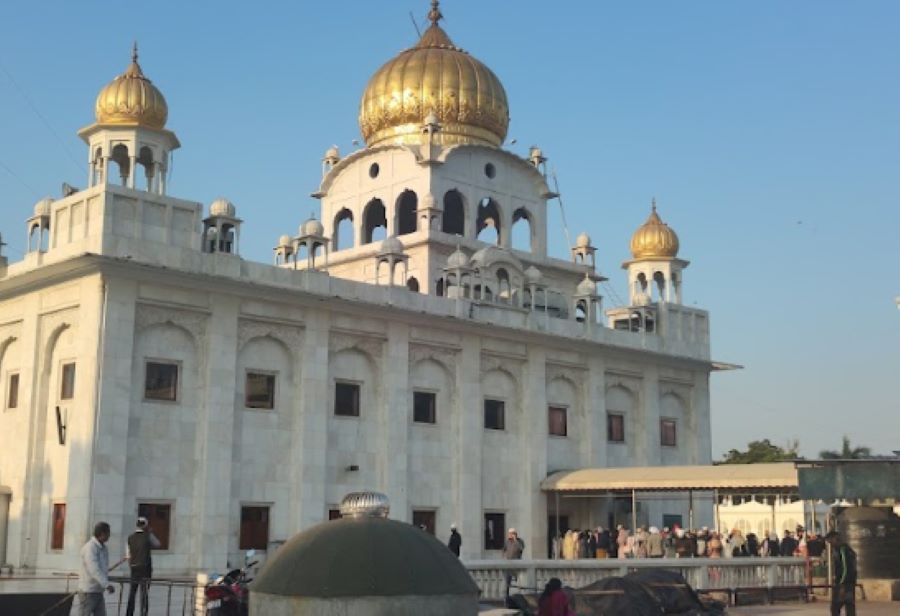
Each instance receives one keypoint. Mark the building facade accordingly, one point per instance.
(402, 344)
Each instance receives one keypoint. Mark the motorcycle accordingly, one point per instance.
(227, 595)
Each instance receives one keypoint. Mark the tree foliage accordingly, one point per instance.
(847, 452)
(763, 451)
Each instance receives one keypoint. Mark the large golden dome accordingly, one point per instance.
(132, 100)
(436, 77)
(654, 239)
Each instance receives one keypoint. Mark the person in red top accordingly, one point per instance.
(554, 601)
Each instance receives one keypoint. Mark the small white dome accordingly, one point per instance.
(333, 154)
(457, 259)
(42, 207)
(391, 245)
(533, 274)
(284, 240)
(641, 299)
(222, 207)
(586, 287)
(428, 201)
(312, 227)
(583, 240)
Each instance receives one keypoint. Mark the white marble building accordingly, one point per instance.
(401, 345)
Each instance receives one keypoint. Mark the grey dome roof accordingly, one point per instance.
(364, 557)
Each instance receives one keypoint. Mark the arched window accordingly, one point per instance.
(522, 229)
(412, 284)
(226, 242)
(660, 282)
(97, 166)
(580, 311)
(439, 287)
(374, 222)
(406, 212)
(640, 284)
(454, 217)
(504, 291)
(343, 230)
(488, 221)
(145, 159)
(212, 239)
(120, 157)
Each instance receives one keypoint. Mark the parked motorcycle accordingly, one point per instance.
(227, 595)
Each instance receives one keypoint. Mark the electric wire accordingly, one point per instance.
(21, 181)
(41, 117)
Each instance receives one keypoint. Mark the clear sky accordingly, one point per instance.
(768, 131)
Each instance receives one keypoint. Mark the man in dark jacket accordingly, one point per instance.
(843, 588)
(455, 540)
(140, 542)
(788, 544)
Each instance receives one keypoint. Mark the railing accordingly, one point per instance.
(700, 573)
(168, 596)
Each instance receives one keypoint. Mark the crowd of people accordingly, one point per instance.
(677, 542)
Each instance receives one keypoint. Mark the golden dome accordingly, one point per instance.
(132, 100)
(434, 77)
(654, 239)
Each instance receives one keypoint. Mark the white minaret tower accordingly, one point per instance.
(130, 132)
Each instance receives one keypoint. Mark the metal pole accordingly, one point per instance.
(690, 509)
(718, 519)
(633, 511)
(812, 506)
(774, 528)
(558, 539)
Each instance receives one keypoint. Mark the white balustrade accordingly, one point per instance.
(700, 573)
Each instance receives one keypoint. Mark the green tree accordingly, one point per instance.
(763, 451)
(847, 452)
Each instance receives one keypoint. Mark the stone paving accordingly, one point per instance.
(863, 608)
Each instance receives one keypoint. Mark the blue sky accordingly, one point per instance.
(768, 131)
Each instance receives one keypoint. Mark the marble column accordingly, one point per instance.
(311, 427)
(468, 436)
(211, 532)
(534, 451)
(394, 419)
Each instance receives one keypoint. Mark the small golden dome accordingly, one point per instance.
(434, 79)
(132, 100)
(654, 239)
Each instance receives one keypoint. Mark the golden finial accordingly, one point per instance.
(653, 204)
(134, 52)
(435, 13)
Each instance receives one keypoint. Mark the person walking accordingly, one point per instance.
(93, 579)
(513, 548)
(554, 601)
(137, 551)
(455, 541)
(843, 587)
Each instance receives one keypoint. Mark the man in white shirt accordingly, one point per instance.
(94, 577)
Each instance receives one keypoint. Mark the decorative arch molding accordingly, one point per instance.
(55, 325)
(419, 353)
(194, 323)
(370, 346)
(289, 336)
(6, 340)
(556, 372)
(680, 392)
(630, 386)
(512, 367)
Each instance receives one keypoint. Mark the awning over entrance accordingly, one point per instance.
(777, 477)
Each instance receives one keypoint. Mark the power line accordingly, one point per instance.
(40, 116)
(21, 181)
